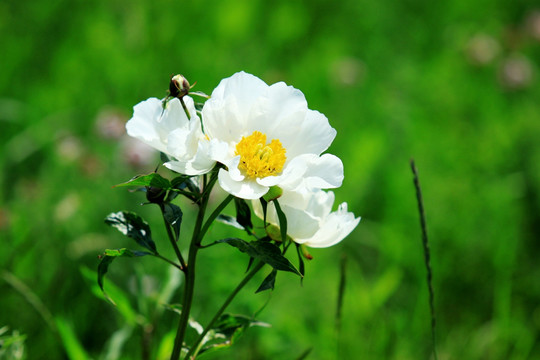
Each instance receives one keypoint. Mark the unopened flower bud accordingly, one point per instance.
(155, 195)
(179, 86)
(273, 193)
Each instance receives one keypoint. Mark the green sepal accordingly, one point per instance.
(282, 222)
(268, 282)
(273, 193)
(243, 213)
(264, 205)
(162, 156)
(107, 258)
(300, 259)
(264, 251)
(153, 179)
(133, 226)
(173, 216)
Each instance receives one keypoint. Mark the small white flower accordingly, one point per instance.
(266, 136)
(170, 131)
(310, 219)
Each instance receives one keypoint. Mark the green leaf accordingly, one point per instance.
(227, 330)
(108, 258)
(121, 299)
(185, 181)
(264, 251)
(71, 343)
(229, 220)
(268, 282)
(133, 226)
(282, 222)
(300, 259)
(164, 157)
(173, 216)
(153, 179)
(243, 213)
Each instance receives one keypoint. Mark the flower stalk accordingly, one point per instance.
(277, 154)
(194, 350)
(189, 268)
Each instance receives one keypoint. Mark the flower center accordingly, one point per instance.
(258, 159)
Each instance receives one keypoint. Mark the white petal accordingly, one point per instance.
(199, 164)
(227, 112)
(314, 136)
(324, 172)
(143, 124)
(247, 189)
(278, 112)
(335, 228)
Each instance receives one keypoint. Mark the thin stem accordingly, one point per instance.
(425, 245)
(169, 261)
(172, 239)
(215, 214)
(189, 268)
(198, 343)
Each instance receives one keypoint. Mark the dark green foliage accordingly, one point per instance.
(269, 282)
(263, 250)
(133, 226)
(243, 213)
(108, 257)
(153, 180)
(173, 216)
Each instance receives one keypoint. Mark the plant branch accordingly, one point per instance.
(189, 269)
(198, 343)
(214, 215)
(179, 267)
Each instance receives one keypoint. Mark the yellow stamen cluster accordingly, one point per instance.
(258, 159)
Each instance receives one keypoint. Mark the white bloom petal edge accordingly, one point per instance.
(310, 220)
(245, 116)
(170, 131)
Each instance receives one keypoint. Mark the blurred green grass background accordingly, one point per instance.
(452, 84)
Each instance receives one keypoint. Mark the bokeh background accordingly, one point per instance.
(452, 84)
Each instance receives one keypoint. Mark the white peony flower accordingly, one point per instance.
(310, 219)
(266, 136)
(170, 131)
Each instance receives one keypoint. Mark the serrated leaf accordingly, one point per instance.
(229, 220)
(133, 226)
(153, 179)
(268, 282)
(264, 251)
(173, 216)
(243, 213)
(108, 258)
(227, 330)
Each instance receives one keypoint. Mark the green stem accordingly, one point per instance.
(169, 261)
(215, 214)
(198, 343)
(189, 268)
